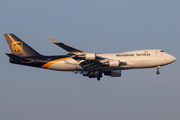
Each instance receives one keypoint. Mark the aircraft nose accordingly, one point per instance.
(172, 58)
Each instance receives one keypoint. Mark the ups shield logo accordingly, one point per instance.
(17, 47)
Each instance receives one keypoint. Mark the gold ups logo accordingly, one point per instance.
(17, 47)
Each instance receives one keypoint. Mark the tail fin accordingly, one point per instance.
(18, 47)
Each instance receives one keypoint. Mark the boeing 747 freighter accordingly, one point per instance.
(92, 65)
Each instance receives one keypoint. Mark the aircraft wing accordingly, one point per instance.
(73, 52)
(64, 46)
(90, 60)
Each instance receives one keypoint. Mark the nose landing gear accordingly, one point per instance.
(157, 72)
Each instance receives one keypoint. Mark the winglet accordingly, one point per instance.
(64, 46)
(53, 40)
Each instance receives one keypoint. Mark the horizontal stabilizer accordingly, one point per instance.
(16, 58)
(64, 46)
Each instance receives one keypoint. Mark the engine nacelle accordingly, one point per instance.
(113, 73)
(90, 56)
(114, 63)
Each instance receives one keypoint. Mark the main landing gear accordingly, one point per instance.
(157, 72)
(95, 74)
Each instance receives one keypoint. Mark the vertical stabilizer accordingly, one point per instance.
(18, 47)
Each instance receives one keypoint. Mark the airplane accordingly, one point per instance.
(92, 65)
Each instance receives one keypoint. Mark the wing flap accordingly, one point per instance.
(90, 64)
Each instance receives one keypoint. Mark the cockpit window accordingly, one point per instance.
(162, 50)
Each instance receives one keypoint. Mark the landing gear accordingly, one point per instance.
(91, 74)
(157, 72)
(95, 74)
(98, 78)
(99, 75)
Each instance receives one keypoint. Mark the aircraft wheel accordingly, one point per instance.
(157, 72)
(93, 74)
(99, 73)
(98, 78)
(90, 75)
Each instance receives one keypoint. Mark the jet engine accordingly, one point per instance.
(90, 56)
(112, 63)
(113, 73)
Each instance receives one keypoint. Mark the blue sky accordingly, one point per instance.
(100, 26)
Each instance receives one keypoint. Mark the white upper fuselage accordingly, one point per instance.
(130, 60)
